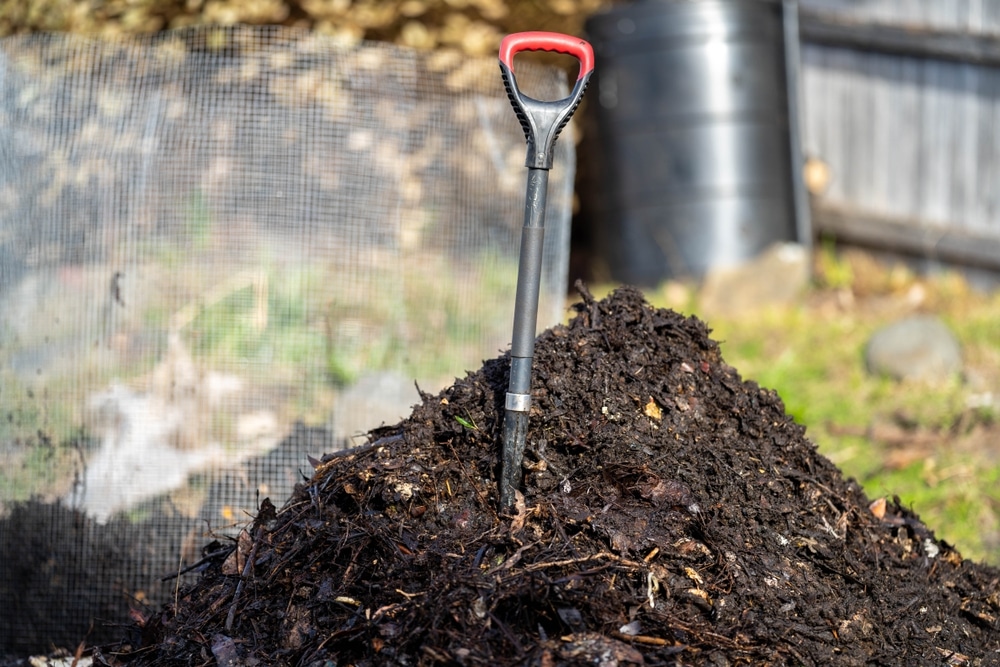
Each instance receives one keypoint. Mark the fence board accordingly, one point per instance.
(913, 138)
(969, 16)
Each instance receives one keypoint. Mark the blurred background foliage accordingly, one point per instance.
(471, 26)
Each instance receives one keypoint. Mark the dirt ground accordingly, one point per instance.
(673, 514)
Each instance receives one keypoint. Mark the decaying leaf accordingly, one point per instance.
(877, 508)
(237, 559)
(520, 513)
(693, 575)
(953, 657)
(595, 649)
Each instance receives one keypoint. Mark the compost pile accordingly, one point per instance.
(672, 514)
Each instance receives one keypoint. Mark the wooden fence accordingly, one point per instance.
(901, 99)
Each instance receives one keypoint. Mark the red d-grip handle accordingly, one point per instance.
(543, 121)
(547, 41)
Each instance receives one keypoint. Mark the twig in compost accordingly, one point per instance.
(603, 555)
(328, 458)
(507, 633)
(177, 583)
(641, 639)
(214, 556)
(584, 573)
(562, 531)
(258, 535)
(479, 491)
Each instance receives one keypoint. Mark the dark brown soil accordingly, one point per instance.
(673, 514)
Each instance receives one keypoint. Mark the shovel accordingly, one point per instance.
(541, 121)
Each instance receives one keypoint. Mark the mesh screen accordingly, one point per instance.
(222, 251)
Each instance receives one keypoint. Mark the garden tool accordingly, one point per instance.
(541, 121)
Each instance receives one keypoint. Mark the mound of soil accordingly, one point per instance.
(672, 514)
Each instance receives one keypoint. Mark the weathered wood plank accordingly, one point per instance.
(899, 38)
(967, 16)
(908, 237)
(986, 208)
(909, 138)
(935, 136)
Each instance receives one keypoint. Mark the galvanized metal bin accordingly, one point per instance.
(698, 139)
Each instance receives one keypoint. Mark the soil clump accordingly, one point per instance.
(672, 514)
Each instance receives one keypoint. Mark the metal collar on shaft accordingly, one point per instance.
(518, 402)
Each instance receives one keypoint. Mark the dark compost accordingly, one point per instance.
(672, 514)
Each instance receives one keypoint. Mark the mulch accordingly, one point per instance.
(672, 514)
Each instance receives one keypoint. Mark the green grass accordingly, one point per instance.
(426, 319)
(818, 368)
(34, 462)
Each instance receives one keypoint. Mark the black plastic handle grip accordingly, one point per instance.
(543, 121)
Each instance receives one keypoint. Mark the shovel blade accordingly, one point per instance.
(515, 434)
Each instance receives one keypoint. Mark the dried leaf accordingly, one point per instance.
(235, 561)
(693, 575)
(953, 657)
(653, 410)
(520, 513)
(701, 595)
(667, 492)
(596, 649)
(877, 507)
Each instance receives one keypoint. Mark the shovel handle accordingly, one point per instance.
(542, 121)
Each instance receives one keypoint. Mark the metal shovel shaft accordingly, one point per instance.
(541, 121)
(529, 274)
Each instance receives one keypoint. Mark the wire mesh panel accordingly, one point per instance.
(222, 251)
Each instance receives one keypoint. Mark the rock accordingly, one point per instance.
(775, 277)
(920, 347)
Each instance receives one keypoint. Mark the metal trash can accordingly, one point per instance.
(698, 135)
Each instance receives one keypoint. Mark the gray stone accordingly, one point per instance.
(920, 347)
